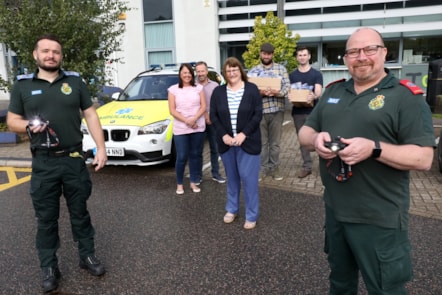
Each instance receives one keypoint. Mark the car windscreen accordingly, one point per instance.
(149, 87)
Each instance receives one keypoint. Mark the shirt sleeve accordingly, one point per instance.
(15, 103)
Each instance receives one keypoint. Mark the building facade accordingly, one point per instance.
(176, 31)
(213, 30)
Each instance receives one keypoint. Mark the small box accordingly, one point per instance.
(266, 83)
(298, 97)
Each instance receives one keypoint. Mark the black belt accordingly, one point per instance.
(59, 152)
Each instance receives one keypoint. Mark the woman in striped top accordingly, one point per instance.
(236, 112)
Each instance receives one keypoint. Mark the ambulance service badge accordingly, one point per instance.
(66, 89)
(377, 103)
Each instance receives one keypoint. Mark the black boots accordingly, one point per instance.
(52, 274)
(93, 265)
(50, 278)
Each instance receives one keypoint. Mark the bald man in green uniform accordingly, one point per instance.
(386, 130)
(47, 105)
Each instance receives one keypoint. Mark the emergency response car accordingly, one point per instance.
(137, 125)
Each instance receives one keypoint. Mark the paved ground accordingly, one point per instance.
(425, 186)
(170, 245)
(153, 242)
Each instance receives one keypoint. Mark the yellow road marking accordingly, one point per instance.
(12, 177)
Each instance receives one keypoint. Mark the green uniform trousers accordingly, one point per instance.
(382, 255)
(52, 177)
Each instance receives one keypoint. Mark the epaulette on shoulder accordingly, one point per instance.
(72, 73)
(335, 82)
(25, 77)
(411, 86)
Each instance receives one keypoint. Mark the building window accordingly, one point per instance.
(417, 3)
(421, 50)
(392, 51)
(155, 10)
(296, 12)
(337, 9)
(159, 34)
(159, 57)
(160, 42)
(333, 53)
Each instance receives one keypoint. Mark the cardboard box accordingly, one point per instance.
(298, 97)
(265, 83)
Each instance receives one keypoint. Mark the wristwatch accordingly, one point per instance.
(377, 150)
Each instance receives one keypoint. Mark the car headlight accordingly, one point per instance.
(83, 129)
(154, 128)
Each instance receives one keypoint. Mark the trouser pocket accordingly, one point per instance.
(395, 266)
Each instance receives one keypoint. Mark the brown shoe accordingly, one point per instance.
(303, 173)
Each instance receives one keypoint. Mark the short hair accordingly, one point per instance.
(233, 62)
(301, 48)
(47, 37)
(189, 67)
(201, 63)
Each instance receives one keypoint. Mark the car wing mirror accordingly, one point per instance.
(115, 95)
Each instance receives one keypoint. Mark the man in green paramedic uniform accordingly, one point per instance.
(56, 98)
(386, 130)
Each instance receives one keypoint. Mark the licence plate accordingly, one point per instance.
(115, 152)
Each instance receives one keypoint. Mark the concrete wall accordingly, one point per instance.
(133, 56)
(196, 31)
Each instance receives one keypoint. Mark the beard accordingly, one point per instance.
(266, 62)
(54, 68)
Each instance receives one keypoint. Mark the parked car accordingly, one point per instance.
(137, 125)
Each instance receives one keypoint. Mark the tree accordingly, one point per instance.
(274, 31)
(87, 28)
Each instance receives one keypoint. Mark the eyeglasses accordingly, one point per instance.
(232, 71)
(368, 50)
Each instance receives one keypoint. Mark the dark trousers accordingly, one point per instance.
(52, 177)
(382, 255)
(271, 131)
(299, 120)
(214, 155)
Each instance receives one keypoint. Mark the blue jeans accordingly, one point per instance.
(189, 147)
(242, 168)
(271, 130)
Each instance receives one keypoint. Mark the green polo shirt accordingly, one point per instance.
(389, 112)
(58, 102)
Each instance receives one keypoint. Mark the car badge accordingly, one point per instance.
(112, 121)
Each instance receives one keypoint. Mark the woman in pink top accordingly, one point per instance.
(187, 105)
